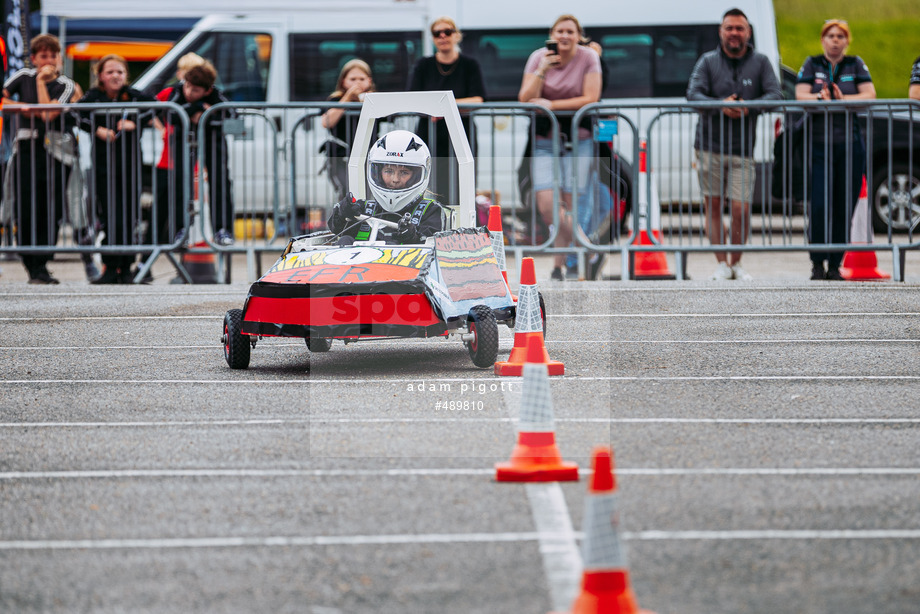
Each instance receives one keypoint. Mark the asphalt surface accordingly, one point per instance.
(766, 437)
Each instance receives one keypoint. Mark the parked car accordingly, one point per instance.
(892, 135)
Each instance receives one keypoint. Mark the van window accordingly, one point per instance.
(502, 55)
(653, 61)
(317, 58)
(242, 61)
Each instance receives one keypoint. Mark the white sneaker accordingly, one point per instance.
(723, 272)
(740, 274)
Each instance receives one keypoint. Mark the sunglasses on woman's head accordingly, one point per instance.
(444, 32)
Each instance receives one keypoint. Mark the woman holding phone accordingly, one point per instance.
(564, 76)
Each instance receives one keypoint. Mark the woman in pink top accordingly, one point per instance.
(563, 81)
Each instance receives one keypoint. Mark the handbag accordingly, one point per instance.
(62, 146)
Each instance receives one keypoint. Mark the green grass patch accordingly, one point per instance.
(886, 34)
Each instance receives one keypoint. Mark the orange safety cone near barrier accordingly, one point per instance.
(605, 584)
(649, 265)
(200, 265)
(861, 266)
(536, 456)
(498, 243)
(528, 324)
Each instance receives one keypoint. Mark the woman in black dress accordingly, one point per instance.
(447, 69)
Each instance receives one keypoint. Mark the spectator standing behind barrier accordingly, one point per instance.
(447, 69)
(195, 94)
(562, 81)
(355, 80)
(834, 76)
(39, 162)
(116, 162)
(913, 91)
(159, 228)
(724, 143)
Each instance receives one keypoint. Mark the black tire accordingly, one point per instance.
(236, 344)
(542, 312)
(483, 348)
(898, 205)
(318, 344)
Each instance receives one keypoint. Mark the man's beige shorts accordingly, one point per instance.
(723, 175)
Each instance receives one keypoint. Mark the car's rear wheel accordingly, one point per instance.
(318, 344)
(483, 347)
(895, 203)
(236, 344)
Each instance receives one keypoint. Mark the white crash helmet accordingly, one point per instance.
(405, 149)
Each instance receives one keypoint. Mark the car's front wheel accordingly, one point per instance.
(896, 201)
(318, 344)
(236, 344)
(483, 347)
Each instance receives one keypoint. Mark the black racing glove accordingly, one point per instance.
(351, 208)
(406, 231)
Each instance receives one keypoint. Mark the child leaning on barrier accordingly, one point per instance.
(116, 156)
(40, 173)
(195, 94)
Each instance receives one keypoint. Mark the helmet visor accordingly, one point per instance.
(395, 177)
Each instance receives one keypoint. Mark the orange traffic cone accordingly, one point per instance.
(861, 266)
(536, 456)
(200, 264)
(605, 584)
(498, 243)
(649, 265)
(528, 324)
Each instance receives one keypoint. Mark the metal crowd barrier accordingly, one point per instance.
(261, 173)
(785, 215)
(55, 197)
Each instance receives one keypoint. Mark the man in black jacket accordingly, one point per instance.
(724, 142)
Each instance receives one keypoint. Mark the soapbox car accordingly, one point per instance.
(322, 288)
(449, 286)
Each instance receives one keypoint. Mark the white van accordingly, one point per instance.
(650, 48)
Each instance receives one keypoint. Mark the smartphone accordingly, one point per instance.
(553, 47)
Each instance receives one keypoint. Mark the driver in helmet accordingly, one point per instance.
(398, 168)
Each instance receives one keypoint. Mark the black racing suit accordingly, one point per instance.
(425, 215)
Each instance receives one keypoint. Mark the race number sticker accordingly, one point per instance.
(355, 255)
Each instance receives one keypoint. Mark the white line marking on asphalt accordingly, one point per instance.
(829, 314)
(775, 534)
(811, 314)
(35, 348)
(326, 420)
(288, 541)
(105, 318)
(561, 557)
(569, 378)
(434, 472)
(268, 542)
